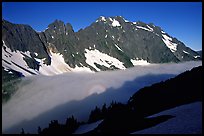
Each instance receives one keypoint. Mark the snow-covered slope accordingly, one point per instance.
(168, 41)
(14, 60)
(87, 127)
(57, 66)
(41, 99)
(136, 62)
(187, 120)
(95, 56)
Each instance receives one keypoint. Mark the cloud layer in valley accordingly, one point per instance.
(41, 99)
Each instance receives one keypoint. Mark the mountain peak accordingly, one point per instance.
(60, 25)
(113, 21)
(101, 18)
(56, 23)
(109, 18)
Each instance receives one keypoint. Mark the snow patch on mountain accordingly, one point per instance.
(57, 66)
(115, 23)
(163, 32)
(36, 54)
(136, 62)
(27, 53)
(157, 34)
(102, 18)
(110, 19)
(151, 29)
(14, 60)
(144, 28)
(10, 72)
(118, 47)
(186, 52)
(95, 56)
(196, 56)
(168, 41)
(126, 21)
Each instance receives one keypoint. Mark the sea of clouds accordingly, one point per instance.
(41, 99)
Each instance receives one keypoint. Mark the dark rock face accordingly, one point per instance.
(200, 53)
(23, 38)
(113, 36)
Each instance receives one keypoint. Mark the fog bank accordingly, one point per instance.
(41, 99)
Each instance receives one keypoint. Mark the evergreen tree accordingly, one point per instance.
(95, 115)
(104, 110)
(71, 124)
(39, 130)
(22, 131)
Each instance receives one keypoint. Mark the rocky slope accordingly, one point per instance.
(108, 43)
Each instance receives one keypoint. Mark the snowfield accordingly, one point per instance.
(136, 62)
(144, 28)
(95, 56)
(187, 120)
(41, 99)
(14, 60)
(87, 127)
(168, 41)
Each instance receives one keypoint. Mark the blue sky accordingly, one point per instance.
(182, 20)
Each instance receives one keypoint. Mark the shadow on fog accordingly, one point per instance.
(82, 108)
